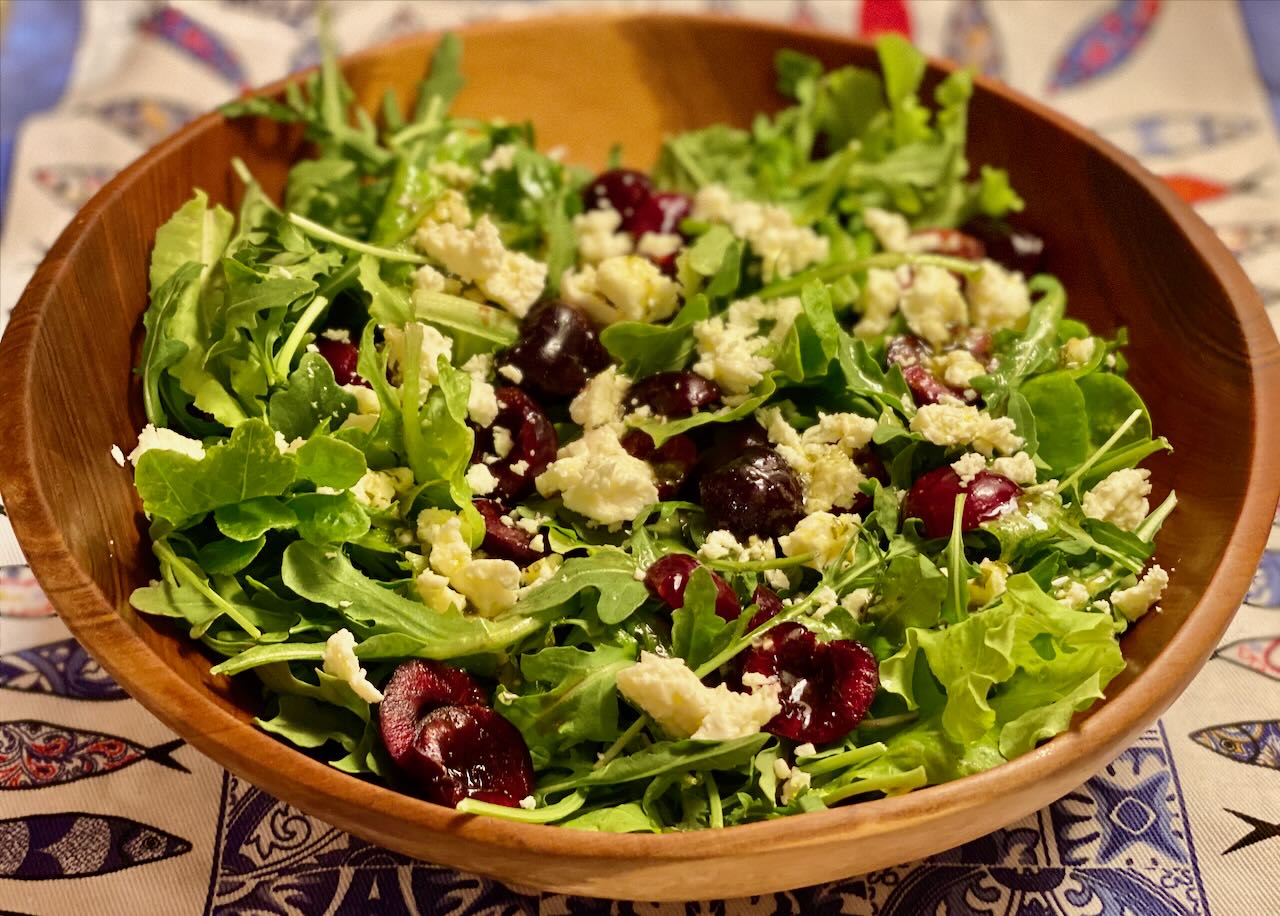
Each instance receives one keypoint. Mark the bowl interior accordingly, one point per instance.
(586, 84)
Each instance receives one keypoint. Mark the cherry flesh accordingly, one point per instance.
(533, 443)
(932, 500)
(415, 689)
(470, 752)
(668, 578)
(342, 357)
(674, 394)
(503, 541)
(624, 190)
(672, 461)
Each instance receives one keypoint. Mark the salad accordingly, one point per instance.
(768, 480)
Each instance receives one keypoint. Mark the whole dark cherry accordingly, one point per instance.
(755, 493)
(672, 461)
(624, 190)
(932, 500)
(533, 443)
(415, 689)
(470, 752)
(659, 212)
(503, 541)
(673, 394)
(558, 350)
(668, 578)
(723, 442)
(1010, 246)
(343, 358)
(827, 687)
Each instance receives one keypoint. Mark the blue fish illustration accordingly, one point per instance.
(195, 40)
(1264, 591)
(62, 668)
(1260, 655)
(1247, 239)
(72, 183)
(1163, 134)
(143, 119)
(307, 54)
(292, 13)
(36, 754)
(77, 844)
(1262, 830)
(971, 39)
(1256, 743)
(1105, 43)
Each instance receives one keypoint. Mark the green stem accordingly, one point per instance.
(845, 760)
(716, 814)
(185, 575)
(546, 815)
(958, 581)
(1102, 450)
(284, 359)
(324, 233)
(758, 565)
(623, 740)
(1151, 524)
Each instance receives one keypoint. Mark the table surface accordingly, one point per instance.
(1183, 822)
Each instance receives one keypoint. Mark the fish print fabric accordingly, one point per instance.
(104, 810)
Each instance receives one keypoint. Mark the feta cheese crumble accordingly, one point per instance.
(1136, 600)
(379, 489)
(491, 586)
(1078, 351)
(477, 255)
(622, 288)
(434, 345)
(956, 424)
(822, 535)
(596, 477)
(165, 440)
(969, 465)
(598, 236)
(600, 401)
(783, 247)
(1120, 498)
(933, 306)
(340, 661)
(879, 302)
(998, 298)
(1020, 468)
(117, 455)
(684, 707)
(482, 400)
(481, 480)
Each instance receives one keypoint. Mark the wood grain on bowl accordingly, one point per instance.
(1203, 355)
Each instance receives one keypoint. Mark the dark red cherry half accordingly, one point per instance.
(503, 541)
(470, 752)
(932, 499)
(668, 578)
(416, 688)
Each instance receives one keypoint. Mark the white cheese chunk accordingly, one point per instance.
(957, 424)
(340, 661)
(491, 586)
(933, 306)
(1135, 601)
(684, 707)
(596, 477)
(600, 401)
(165, 440)
(821, 535)
(1120, 498)
(998, 298)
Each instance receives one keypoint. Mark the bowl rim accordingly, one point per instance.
(246, 751)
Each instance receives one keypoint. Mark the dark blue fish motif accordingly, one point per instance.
(72, 183)
(307, 54)
(971, 39)
(142, 119)
(1260, 655)
(1262, 830)
(62, 668)
(21, 595)
(1264, 590)
(292, 13)
(1256, 743)
(405, 21)
(195, 40)
(1105, 43)
(34, 755)
(41, 847)
(1164, 134)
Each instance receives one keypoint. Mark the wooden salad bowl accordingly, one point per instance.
(1202, 351)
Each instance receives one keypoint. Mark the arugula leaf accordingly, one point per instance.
(310, 399)
(1061, 423)
(644, 349)
(911, 591)
(179, 488)
(1036, 346)
(665, 758)
(330, 462)
(868, 380)
(1108, 402)
(697, 632)
(159, 350)
(629, 817)
(249, 519)
(329, 519)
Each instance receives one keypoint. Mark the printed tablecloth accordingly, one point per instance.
(103, 810)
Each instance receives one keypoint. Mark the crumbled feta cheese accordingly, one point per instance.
(540, 571)
(1074, 595)
(958, 368)
(823, 456)
(442, 532)
(955, 424)
(722, 545)
(502, 158)
(998, 298)
(637, 288)
(502, 441)
(477, 255)
(821, 535)
(659, 244)
(165, 440)
(367, 402)
(1020, 468)
(600, 401)
(598, 235)
(528, 803)
(1121, 498)
(511, 373)
(1136, 600)
(933, 305)
(684, 707)
(798, 783)
(806, 750)
(455, 173)
(597, 478)
(379, 489)
(990, 584)
(783, 247)
(728, 354)
(1078, 351)
(825, 601)
(436, 594)
(968, 466)
(482, 399)
(781, 769)
(340, 661)
(429, 280)
(481, 480)
(891, 230)
(491, 586)
(879, 302)
(856, 601)
(850, 431)
(117, 455)
(434, 345)
(519, 467)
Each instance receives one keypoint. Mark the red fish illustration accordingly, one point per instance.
(1105, 43)
(1195, 189)
(195, 40)
(34, 754)
(1260, 655)
(876, 17)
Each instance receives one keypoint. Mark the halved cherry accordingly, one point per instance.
(827, 687)
(668, 578)
(673, 394)
(624, 190)
(416, 688)
(342, 357)
(671, 462)
(932, 499)
(768, 605)
(504, 541)
(909, 352)
(533, 443)
(470, 752)
(953, 242)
